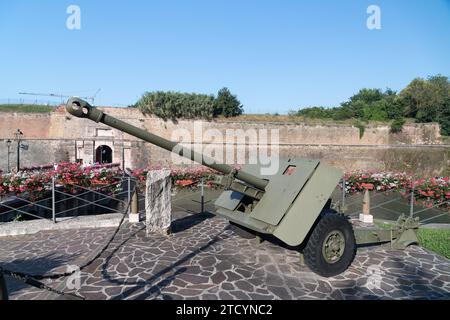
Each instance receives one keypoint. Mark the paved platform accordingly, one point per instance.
(81, 222)
(204, 258)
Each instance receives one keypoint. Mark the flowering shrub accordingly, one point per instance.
(427, 191)
(104, 178)
(182, 177)
(71, 175)
(360, 181)
(433, 191)
(67, 175)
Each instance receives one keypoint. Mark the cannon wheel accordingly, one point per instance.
(331, 247)
(3, 288)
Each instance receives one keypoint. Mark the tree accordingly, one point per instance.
(227, 104)
(416, 98)
(428, 101)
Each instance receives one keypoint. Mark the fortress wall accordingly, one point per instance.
(59, 136)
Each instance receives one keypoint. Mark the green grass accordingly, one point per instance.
(294, 119)
(437, 240)
(25, 108)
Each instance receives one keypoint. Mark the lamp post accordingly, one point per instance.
(8, 143)
(18, 135)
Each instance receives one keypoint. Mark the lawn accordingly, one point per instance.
(26, 108)
(437, 240)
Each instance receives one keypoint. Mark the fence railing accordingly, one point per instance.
(390, 204)
(69, 199)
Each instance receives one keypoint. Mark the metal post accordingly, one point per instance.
(76, 151)
(94, 155)
(18, 152)
(53, 201)
(411, 200)
(123, 158)
(343, 196)
(9, 153)
(129, 192)
(202, 200)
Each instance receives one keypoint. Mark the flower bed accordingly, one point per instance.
(427, 191)
(67, 175)
(182, 177)
(72, 175)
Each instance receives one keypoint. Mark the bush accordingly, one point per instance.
(177, 105)
(397, 125)
(361, 127)
(316, 113)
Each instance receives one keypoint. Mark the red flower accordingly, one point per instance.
(368, 186)
(184, 183)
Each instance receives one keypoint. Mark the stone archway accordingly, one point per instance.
(103, 154)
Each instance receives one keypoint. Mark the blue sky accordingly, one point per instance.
(275, 55)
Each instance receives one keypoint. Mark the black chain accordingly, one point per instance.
(37, 284)
(32, 280)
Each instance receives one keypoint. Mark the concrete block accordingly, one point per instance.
(366, 218)
(158, 202)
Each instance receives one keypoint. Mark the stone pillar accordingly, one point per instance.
(158, 205)
(366, 217)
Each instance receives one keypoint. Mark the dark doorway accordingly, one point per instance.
(103, 155)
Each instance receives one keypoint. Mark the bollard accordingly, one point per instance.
(134, 214)
(366, 217)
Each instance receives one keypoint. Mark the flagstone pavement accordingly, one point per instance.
(205, 258)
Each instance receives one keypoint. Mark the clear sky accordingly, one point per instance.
(275, 55)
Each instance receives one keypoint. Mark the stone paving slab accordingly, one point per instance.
(205, 259)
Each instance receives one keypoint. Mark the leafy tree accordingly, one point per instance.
(416, 100)
(424, 100)
(428, 101)
(227, 104)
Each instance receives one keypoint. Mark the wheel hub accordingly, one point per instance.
(333, 246)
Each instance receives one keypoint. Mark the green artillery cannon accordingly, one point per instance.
(293, 205)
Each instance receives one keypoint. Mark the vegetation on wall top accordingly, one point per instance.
(424, 100)
(177, 105)
(25, 108)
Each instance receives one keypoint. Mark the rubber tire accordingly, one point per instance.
(312, 253)
(3, 288)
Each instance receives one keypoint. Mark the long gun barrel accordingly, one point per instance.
(81, 109)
